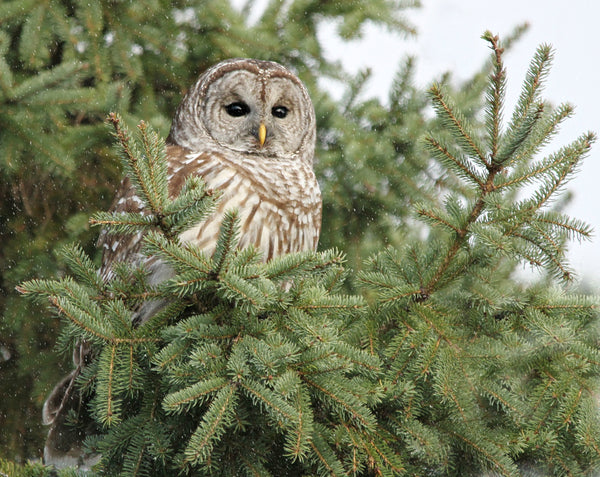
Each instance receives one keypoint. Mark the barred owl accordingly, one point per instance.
(247, 127)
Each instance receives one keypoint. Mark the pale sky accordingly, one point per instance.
(448, 39)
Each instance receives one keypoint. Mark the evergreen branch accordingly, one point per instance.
(360, 358)
(46, 288)
(132, 370)
(133, 462)
(156, 165)
(571, 407)
(516, 138)
(334, 278)
(193, 205)
(246, 262)
(399, 294)
(82, 266)
(384, 454)
(170, 354)
(290, 265)
(539, 137)
(68, 99)
(297, 447)
(6, 77)
(396, 349)
(188, 283)
(521, 137)
(183, 258)
(579, 303)
(500, 462)
(331, 306)
(356, 443)
(46, 80)
(44, 144)
(564, 465)
(495, 97)
(497, 397)
(526, 173)
(92, 324)
(31, 48)
(461, 236)
(493, 237)
(329, 258)
(538, 70)
(139, 174)
(569, 156)
(458, 164)
(377, 280)
(326, 457)
(587, 430)
(434, 216)
(108, 409)
(202, 326)
(544, 168)
(549, 244)
(321, 301)
(192, 396)
(322, 364)
(159, 321)
(82, 318)
(427, 441)
(456, 124)
(16, 8)
(119, 317)
(227, 240)
(523, 120)
(572, 227)
(341, 399)
(282, 413)
(550, 257)
(538, 407)
(429, 314)
(241, 290)
(116, 223)
(429, 359)
(113, 408)
(215, 422)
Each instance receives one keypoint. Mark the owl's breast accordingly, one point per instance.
(279, 204)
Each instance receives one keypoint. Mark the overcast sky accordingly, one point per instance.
(448, 39)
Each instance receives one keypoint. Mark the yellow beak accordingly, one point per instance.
(262, 134)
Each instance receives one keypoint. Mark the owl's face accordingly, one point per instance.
(247, 113)
(248, 106)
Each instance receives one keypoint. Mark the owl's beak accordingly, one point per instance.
(262, 134)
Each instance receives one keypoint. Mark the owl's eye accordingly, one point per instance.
(237, 109)
(279, 111)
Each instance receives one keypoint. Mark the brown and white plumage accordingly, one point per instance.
(247, 127)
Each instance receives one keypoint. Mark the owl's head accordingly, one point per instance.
(248, 106)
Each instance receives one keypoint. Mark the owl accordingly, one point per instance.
(247, 127)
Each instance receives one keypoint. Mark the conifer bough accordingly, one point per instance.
(448, 367)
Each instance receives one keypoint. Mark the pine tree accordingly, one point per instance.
(484, 374)
(450, 367)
